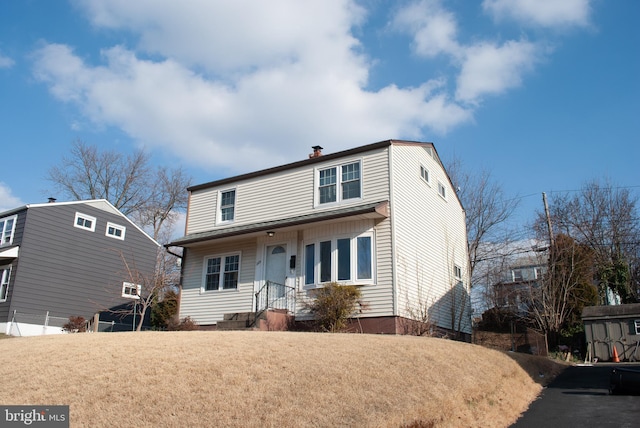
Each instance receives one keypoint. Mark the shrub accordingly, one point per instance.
(164, 311)
(75, 325)
(334, 304)
(184, 324)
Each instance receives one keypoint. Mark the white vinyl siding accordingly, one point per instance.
(208, 308)
(261, 198)
(430, 239)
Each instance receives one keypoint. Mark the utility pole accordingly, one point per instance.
(546, 213)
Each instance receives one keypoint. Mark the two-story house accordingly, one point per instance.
(383, 217)
(63, 259)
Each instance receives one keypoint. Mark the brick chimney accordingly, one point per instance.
(317, 152)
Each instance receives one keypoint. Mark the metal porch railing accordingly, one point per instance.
(275, 296)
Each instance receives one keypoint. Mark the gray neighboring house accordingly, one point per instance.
(612, 326)
(65, 259)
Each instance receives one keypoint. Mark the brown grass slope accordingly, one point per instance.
(263, 379)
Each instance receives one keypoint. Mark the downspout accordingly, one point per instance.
(394, 274)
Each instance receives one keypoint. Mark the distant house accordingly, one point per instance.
(66, 259)
(383, 217)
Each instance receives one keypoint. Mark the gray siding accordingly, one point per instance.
(70, 271)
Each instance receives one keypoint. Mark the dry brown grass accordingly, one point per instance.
(262, 379)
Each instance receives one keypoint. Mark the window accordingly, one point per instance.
(5, 275)
(442, 190)
(7, 227)
(131, 290)
(344, 260)
(457, 272)
(424, 173)
(221, 272)
(517, 275)
(227, 205)
(115, 231)
(346, 177)
(637, 326)
(86, 222)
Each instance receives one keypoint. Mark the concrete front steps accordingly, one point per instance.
(269, 320)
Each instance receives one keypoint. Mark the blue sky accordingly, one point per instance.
(543, 93)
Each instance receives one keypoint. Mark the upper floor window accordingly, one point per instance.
(517, 275)
(339, 183)
(227, 205)
(5, 274)
(221, 272)
(637, 326)
(7, 227)
(131, 290)
(115, 230)
(442, 190)
(457, 272)
(424, 173)
(345, 260)
(84, 221)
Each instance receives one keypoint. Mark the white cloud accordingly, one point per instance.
(241, 91)
(434, 29)
(7, 199)
(6, 62)
(488, 69)
(545, 13)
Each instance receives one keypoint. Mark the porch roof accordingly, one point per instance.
(375, 209)
(9, 253)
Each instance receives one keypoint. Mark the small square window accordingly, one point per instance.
(84, 221)
(442, 190)
(424, 173)
(131, 290)
(115, 231)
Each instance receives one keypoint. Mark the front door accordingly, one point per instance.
(276, 268)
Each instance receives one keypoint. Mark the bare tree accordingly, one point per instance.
(152, 197)
(487, 210)
(604, 218)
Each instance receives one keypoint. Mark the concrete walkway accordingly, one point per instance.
(579, 397)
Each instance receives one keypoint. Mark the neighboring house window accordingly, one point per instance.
(5, 274)
(7, 227)
(131, 290)
(221, 272)
(424, 173)
(517, 275)
(637, 325)
(227, 205)
(339, 183)
(457, 272)
(344, 260)
(86, 222)
(442, 190)
(115, 231)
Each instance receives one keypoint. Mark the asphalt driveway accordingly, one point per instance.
(579, 397)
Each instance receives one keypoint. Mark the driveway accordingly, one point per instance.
(579, 397)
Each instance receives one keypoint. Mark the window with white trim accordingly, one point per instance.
(7, 228)
(637, 326)
(442, 191)
(131, 290)
(115, 231)
(226, 206)
(424, 174)
(457, 272)
(221, 272)
(339, 183)
(85, 222)
(5, 275)
(343, 260)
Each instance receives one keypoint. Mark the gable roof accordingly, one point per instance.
(101, 204)
(310, 161)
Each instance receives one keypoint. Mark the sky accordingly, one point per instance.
(544, 94)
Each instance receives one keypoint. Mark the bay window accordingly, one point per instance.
(343, 260)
